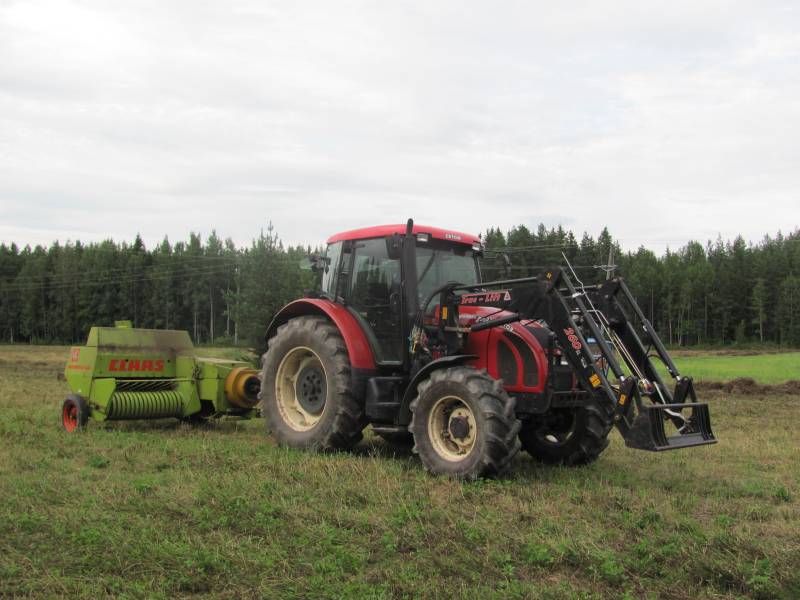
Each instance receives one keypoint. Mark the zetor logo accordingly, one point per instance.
(452, 236)
(122, 364)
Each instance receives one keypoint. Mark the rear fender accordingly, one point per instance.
(358, 347)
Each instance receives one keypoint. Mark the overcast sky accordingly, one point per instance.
(666, 121)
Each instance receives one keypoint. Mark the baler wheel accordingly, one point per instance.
(74, 413)
(464, 424)
(306, 395)
(566, 436)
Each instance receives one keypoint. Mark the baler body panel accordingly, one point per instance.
(123, 338)
(126, 373)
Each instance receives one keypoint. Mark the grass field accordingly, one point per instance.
(158, 509)
(716, 366)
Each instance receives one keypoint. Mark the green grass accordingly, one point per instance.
(764, 368)
(158, 509)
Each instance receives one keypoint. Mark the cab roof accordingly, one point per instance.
(381, 231)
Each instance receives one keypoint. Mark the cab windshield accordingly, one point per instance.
(438, 264)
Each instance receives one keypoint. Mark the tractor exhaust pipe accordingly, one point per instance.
(410, 292)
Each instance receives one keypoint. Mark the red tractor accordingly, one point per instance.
(404, 335)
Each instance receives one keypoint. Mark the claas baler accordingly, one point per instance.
(124, 373)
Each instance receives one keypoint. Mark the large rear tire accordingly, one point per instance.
(464, 424)
(566, 436)
(306, 396)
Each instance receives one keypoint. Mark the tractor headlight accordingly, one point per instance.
(423, 237)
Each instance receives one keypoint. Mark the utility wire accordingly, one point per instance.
(77, 283)
(178, 264)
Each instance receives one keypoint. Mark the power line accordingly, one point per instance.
(173, 259)
(177, 264)
(78, 283)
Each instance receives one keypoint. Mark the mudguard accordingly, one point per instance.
(358, 347)
(404, 418)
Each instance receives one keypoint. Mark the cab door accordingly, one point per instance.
(374, 297)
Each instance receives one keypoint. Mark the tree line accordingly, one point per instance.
(717, 293)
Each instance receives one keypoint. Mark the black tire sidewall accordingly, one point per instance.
(556, 452)
(577, 450)
(427, 401)
(285, 342)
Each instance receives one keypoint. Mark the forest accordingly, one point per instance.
(720, 292)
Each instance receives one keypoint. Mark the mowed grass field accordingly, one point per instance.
(163, 510)
(723, 366)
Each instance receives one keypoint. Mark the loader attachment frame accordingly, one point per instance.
(627, 387)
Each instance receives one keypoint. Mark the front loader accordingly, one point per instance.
(405, 336)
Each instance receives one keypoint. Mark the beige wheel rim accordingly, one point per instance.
(299, 362)
(452, 428)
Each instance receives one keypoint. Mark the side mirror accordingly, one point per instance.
(316, 263)
(507, 265)
(394, 246)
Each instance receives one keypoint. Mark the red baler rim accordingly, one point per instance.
(380, 231)
(70, 416)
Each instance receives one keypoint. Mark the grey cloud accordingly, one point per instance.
(666, 122)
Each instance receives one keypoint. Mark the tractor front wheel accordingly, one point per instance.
(306, 395)
(464, 424)
(74, 413)
(566, 436)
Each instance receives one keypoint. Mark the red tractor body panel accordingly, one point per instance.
(358, 347)
(511, 352)
(381, 231)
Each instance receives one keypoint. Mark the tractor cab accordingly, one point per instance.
(363, 270)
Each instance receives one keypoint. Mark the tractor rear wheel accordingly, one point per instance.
(566, 436)
(464, 424)
(74, 413)
(306, 394)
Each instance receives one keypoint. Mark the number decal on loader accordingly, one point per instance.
(573, 339)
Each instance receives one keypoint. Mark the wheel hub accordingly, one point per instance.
(70, 417)
(557, 428)
(452, 428)
(459, 427)
(301, 389)
(311, 389)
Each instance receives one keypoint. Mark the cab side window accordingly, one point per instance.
(329, 277)
(375, 296)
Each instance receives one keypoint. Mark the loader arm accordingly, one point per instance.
(631, 392)
(602, 310)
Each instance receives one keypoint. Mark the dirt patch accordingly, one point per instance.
(747, 386)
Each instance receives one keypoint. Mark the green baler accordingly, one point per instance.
(127, 373)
